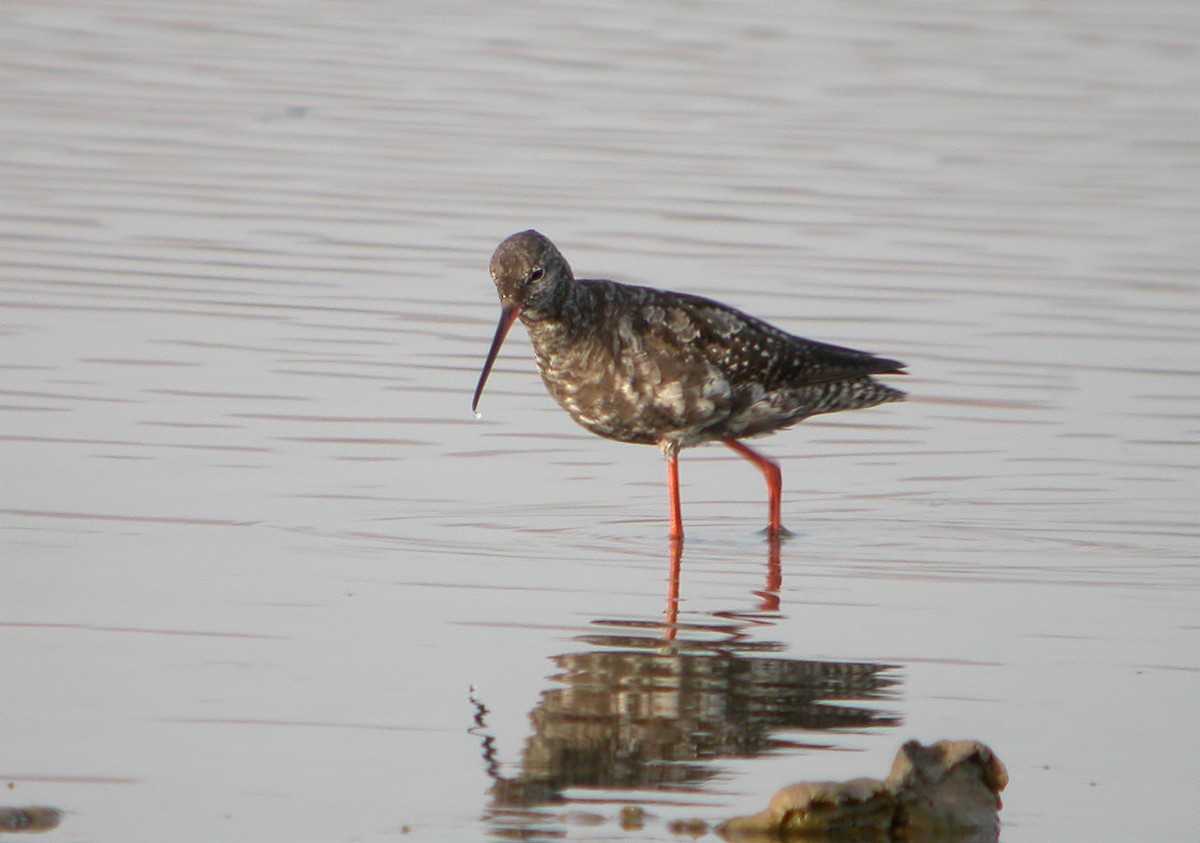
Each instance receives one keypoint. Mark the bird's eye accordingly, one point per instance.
(536, 274)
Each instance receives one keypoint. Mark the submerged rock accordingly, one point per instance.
(947, 787)
(632, 818)
(688, 828)
(30, 818)
(949, 790)
(859, 807)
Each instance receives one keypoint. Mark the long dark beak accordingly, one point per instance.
(508, 315)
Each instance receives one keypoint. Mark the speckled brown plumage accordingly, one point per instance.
(641, 365)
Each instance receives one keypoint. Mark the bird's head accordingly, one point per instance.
(529, 272)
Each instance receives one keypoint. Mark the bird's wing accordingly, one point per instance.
(748, 349)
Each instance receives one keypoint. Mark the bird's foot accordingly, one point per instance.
(780, 534)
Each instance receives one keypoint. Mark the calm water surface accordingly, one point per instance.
(257, 551)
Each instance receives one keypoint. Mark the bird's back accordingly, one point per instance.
(645, 365)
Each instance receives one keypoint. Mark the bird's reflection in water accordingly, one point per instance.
(648, 705)
(768, 606)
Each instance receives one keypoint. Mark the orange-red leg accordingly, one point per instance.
(770, 470)
(676, 532)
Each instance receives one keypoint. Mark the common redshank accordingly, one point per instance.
(654, 367)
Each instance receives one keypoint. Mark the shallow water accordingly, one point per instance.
(257, 552)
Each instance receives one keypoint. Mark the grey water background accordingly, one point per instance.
(256, 549)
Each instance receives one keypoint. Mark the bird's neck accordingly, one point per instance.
(558, 317)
